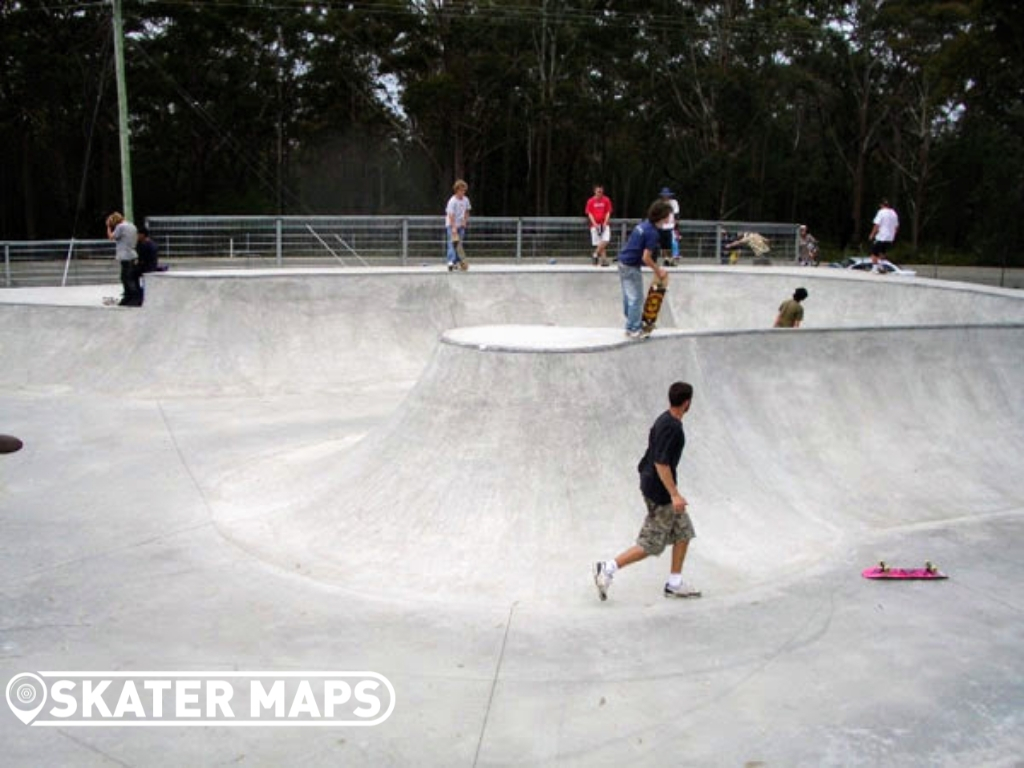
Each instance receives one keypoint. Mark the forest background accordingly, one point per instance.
(758, 110)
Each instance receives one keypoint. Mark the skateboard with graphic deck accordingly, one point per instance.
(883, 571)
(460, 251)
(652, 304)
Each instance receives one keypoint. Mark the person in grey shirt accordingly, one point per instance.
(126, 237)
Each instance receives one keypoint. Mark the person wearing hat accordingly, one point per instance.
(791, 313)
(667, 234)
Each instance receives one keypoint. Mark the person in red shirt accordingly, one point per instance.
(599, 213)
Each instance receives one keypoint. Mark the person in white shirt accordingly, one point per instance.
(807, 248)
(456, 220)
(668, 241)
(886, 225)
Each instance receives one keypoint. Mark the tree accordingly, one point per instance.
(987, 194)
(795, 109)
(53, 71)
(919, 33)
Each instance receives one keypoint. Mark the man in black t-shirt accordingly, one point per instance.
(667, 521)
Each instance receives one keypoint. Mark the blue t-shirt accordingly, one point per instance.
(644, 237)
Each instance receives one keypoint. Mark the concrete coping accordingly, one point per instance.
(536, 338)
(551, 338)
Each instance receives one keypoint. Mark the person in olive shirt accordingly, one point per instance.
(791, 312)
(667, 521)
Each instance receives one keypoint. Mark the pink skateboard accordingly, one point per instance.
(883, 571)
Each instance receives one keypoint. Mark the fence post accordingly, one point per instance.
(718, 242)
(405, 241)
(280, 244)
(7, 263)
(519, 241)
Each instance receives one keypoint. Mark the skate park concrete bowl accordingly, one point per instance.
(412, 472)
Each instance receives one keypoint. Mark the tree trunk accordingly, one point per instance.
(27, 188)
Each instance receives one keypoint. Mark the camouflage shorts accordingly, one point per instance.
(663, 527)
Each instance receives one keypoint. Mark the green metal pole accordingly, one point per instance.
(122, 113)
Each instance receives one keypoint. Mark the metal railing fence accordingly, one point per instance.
(57, 262)
(217, 242)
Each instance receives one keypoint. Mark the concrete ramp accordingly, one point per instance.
(729, 299)
(331, 331)
(511, 465)
(412, 472)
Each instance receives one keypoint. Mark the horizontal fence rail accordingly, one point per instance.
(58, 262)
(219, 242)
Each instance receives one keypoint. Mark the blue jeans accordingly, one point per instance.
(453, 257)
(632, 280)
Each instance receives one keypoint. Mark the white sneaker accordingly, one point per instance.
(683, 590)
(634, 334)
(602, 579)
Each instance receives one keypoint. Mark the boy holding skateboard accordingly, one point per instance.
(667, 521)
(639, 250)
(456, 214)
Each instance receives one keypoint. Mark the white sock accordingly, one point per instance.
(611, 567)
(675, 579)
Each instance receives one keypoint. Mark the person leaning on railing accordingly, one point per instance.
(753, 241)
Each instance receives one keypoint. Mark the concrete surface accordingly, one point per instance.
(411, 472)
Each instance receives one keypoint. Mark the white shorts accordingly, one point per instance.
(600, 235)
